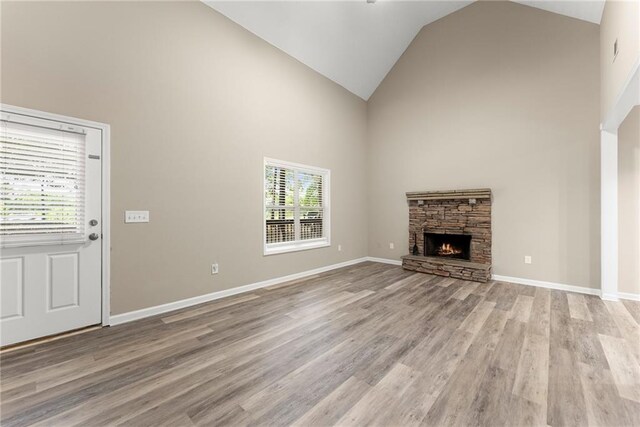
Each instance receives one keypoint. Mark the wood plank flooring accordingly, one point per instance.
(369, 344)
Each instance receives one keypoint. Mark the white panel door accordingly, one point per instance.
(50, 227)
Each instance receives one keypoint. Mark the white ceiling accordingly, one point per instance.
(355, 43)
(587, 10)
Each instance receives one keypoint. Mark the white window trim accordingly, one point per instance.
(105, 130)
(298, 245)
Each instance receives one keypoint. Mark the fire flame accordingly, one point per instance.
(448, 249)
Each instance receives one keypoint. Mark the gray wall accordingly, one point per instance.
(503, 96)
(620, 21)
(629, 203)
(506, 93)
(194, 102)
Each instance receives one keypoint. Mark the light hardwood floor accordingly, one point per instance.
(370, 344)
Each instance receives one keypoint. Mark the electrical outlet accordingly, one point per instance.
(339, 248)
(136, 216)
(391, 246)
(527, 259)
(214, 268)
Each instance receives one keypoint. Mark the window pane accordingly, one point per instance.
(279, 185)
(41, 181)
(310, 189)
(311, 223)
(280, 225)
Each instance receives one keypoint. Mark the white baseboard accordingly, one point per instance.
(570, 288)
(629, 296)
(163, 308)
(384, 260)
(548, 285)
(610, 297)
(529, 282)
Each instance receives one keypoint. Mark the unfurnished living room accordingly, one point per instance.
(317, 213)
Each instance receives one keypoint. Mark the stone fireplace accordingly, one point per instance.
(450, 233)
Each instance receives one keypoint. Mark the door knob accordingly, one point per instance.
(94, 236)
(93, 222)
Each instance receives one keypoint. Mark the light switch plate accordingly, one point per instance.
(136, 216)
(527, 259)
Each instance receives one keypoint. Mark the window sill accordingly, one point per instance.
(295, 247)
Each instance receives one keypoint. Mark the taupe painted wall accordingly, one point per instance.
(503, 96)
(506, 93)
(621, 21)
(194, 102)
(629, 203)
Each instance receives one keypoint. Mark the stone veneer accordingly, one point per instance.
(465, 212)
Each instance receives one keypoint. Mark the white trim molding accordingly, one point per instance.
(521, 281)
(629, 296)
(105, 131)
(628, 98)
(547, 285)
(614, 296)
(171, 306)
(119, 319)
(540, 283)
(298, 244)
(384, 260)
(610, 296)
(609, 214)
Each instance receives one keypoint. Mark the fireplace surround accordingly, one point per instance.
(452, 232)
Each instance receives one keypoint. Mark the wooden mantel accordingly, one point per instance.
(478, 193)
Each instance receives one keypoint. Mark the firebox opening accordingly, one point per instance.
(447, 245)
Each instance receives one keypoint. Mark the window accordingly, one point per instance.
(42, 188)
(296, 206)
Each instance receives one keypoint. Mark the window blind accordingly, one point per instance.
(42, 190)
(294, 205)
(311, 208)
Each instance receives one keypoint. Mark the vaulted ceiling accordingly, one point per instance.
(355, 43)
